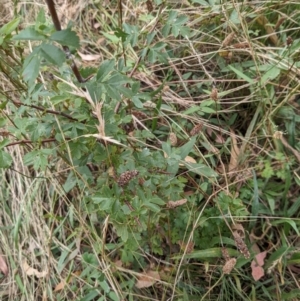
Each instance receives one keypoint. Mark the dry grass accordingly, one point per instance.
(46, 232)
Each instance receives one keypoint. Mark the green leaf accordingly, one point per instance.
(278, 254)
(295, 259)
(294, 208)
(191, 110)
(31, 71)
(166, 29)
(5, 159)
(185, 31)
(117, 79)
(70, 183)
(106, 67)
(157, 201)
(4, 142)
(202, 2)
(166, 147)
(288, 221)
(66, 37)
(172, 16)
(90, 296)
(105, 203)
(241, 74)
(175, 31)
(208, 110)
(181, 20)
(112, 92)
(52, 54)
(201, 169)
(136, 101)
(121, 34)
(41, 16)
(30, 157)
(255, 201)
(126, 210)
(122, 232)
(291, 295)
(271, 74)
(29, 33)
(105, 286)
(235, 17)
(38, 158)
(209, 253)
(111, 37)
(152, 207)
(3, 104)
(173, 166)
(186, 148)
(9, 27)
(114, 296)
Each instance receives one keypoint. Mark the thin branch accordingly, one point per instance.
(30, 142)
(52, 11)
(18, 104)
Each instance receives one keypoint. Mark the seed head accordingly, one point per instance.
(126, 176)
(229, 265)
(173, 139)
(240, 244)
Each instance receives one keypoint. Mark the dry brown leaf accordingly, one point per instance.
(254, 247)
(60, 286)
(189, 247)
(279, 22)
(89, 57)
(149, 6)
(189, 192)
(119, 263)
(196, 129)
(63, 283)
(257, 264)
(289, 41)
(262, 20)
(239, 227)
(111, 172)
(214, 94)
(260, 258)
(287, 145)
(218, 138)
(241, 45)
(100, 41)
(147, 279)
(172, 204)
(235, 152)
(223, 53)
(140, 115)
(189, 159)
(3, 266)
(33, 272)
(97, 25)
(228, 39)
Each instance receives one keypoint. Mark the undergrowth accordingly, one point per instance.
(150, 150)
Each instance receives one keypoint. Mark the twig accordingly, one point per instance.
(52, 10)
(30, 142)
(17, 103)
